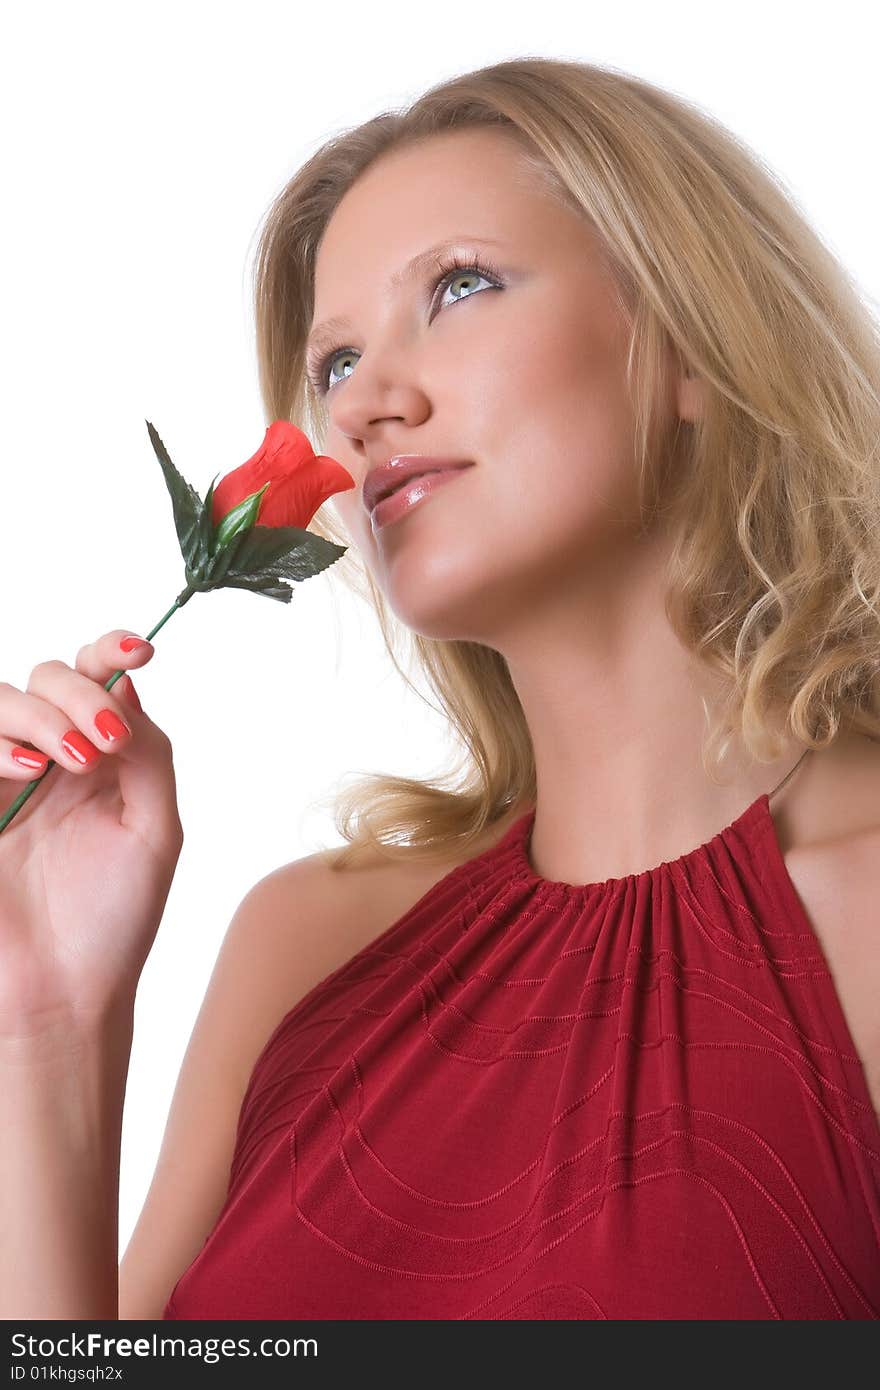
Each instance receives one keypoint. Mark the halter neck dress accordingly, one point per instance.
(530, 1099)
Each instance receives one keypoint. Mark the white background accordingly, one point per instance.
(141, 147)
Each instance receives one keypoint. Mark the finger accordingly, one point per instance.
(126, 651)
(82, 715)
(145, 756)
(27, 718)
(98, 660)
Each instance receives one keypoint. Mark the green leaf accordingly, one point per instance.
(206, 527)
(185, 501)
(302, 552)
(264, 584)
(299, 566)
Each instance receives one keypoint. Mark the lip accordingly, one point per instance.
(400, 469)
(401, 502)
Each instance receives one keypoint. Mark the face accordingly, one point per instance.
(521, 372)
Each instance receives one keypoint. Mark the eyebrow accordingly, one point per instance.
(326, 333)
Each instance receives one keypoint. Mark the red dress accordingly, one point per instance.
(530, 1099)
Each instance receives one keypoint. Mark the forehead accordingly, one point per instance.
(429, 189)
(475, 185)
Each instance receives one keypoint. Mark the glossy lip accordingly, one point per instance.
(402, 500)
(383, 480)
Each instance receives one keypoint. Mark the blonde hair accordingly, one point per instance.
(773, 493)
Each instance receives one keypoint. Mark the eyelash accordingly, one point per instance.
(447, 270)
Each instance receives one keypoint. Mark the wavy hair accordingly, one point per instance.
(773, 494)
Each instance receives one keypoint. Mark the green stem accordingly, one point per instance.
(183, 597)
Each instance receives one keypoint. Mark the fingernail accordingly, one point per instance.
(28, 758)
(109, 725)
(131, 644)
(77, 746)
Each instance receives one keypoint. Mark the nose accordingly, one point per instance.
(382, 391)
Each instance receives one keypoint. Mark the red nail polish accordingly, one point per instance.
(77, 746)
(109, 725)
(131, 644)
(28, 758)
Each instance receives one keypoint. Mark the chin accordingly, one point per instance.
(441, 621)
(431, 588)
(463, 616)
(437, 614)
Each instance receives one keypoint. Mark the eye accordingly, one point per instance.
(465, 273)
(458, 268)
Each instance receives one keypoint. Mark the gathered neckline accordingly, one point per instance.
(514, 847)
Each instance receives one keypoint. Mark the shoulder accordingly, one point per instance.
(297, 925)
(292, 929)
(305, 919)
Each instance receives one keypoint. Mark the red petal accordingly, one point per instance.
(300, 480)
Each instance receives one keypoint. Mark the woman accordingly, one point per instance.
(612, 1050)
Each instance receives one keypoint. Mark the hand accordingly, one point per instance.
(87, 862)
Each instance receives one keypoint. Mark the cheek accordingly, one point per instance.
(558, 438)
(550, 425)
(469, 562)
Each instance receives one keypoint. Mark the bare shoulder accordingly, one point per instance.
(296, 926)
(829, 831)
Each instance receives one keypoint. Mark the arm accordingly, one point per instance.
(62, 1094)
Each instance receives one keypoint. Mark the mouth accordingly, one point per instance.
(384, 481)
(402, 482)
(412, 493)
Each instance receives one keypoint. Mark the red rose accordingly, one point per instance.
(300, 479)
(282, 486)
